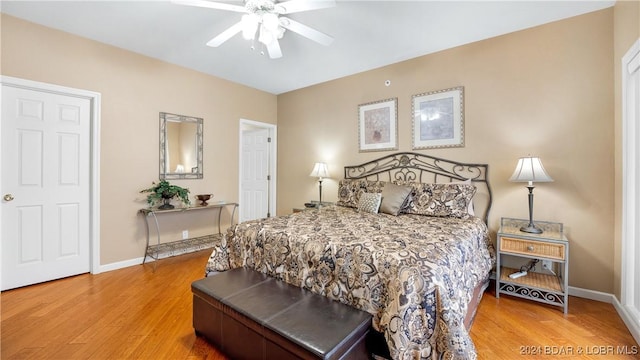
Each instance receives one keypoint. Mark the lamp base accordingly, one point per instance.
(532, 229)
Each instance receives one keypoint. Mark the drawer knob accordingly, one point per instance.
(530, 247)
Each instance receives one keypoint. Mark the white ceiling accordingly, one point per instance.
(368, 34)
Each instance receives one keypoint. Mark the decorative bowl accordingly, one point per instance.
(203, 198)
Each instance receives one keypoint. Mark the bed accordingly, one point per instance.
(419, 267)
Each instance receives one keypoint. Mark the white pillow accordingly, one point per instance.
(369, 202)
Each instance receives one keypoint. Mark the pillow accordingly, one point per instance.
(393, 198)
(470, 208)
(369, 202)
(443, 200)
(349, 190)
(414, 186)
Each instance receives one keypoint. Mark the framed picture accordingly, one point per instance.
(438, 119)
(378, 125)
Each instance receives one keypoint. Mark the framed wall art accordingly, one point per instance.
(438, 119)
(378, 125)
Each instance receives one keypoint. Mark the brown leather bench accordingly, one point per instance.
(249, 315)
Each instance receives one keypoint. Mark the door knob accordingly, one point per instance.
(8, 197)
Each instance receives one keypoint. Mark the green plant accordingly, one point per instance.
(164, 191)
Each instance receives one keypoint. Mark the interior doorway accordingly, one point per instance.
(630, 287)
(258, 144)
(49, 182)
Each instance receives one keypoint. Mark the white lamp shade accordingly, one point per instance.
(530, 169)
(320, 170)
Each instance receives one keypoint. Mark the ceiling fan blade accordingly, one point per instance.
(210, 5)
(306, 31)
(292, 6)
(274, 50)
(225, 35)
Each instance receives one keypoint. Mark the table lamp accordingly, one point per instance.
(530, 170)
(320, 170)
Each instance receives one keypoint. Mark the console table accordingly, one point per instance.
(153, 213)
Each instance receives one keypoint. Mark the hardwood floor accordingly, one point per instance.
(134, 313)
(512, 328)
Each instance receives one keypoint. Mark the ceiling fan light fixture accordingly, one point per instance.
(265, 37)
(259, 6)
(262, 21)
(249, 26)
(270, 21)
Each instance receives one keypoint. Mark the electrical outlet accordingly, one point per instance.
(547, 265)
(185, 234)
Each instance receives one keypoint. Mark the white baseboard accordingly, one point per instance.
(170, 253)
(632, 325)
(591, 294)
(197, 244)
(121, 264)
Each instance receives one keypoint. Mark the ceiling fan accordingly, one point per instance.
(262, 18)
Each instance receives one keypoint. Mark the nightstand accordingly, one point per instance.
(550, 286)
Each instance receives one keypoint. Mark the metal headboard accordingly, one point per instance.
(410, 166)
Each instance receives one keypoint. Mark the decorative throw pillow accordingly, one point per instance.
(375, 186)
(369, 202)
(470, 209)
(444, 200)
(393, 198)
(406, 206)
(350, 190)
(420, 189)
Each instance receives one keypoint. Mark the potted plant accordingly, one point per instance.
(165, 191)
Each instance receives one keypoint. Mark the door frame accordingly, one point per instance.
(94, 157)
(630, 204)
(273, 156)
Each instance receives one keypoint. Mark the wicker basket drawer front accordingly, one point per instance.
(542, 249)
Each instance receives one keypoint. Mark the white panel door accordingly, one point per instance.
(45, 186)
(255, 174)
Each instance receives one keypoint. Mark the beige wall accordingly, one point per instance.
(546, 91)
(626, 32)
(134, 90)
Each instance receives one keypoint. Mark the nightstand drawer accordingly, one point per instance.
(527, 247)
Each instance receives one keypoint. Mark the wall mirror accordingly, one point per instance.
(180, 147)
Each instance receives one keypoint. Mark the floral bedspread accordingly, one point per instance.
(415, 274)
